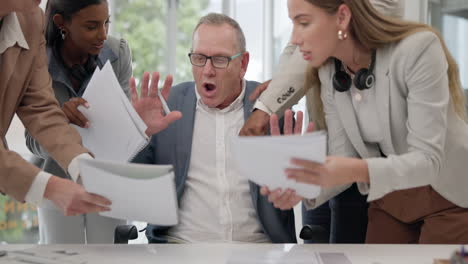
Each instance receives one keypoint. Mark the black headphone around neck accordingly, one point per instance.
(363, 79)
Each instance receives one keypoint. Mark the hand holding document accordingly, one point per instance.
(116, 131)
(264, 159)
(138, 192)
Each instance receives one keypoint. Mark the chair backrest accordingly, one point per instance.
(123, 233)
(466, 100)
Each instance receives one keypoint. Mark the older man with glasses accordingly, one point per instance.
(217, 204)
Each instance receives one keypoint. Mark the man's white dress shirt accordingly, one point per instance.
(216, 205)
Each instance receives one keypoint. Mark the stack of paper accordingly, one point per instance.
(138, 192)
(264, 159)
(116, 131)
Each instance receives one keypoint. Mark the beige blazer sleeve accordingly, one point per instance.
(287, 86)
(31, 97)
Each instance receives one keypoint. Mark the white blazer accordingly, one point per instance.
(425, 141)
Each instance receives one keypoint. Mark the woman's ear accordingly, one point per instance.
(58, 21)
(344, 16)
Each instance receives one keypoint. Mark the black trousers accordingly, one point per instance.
(341, 220)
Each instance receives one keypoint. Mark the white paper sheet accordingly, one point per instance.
(138, 192)
(287, 256)
(264, 159)
(44, 255)
(116, 132)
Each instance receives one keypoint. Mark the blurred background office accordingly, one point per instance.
(159, 33)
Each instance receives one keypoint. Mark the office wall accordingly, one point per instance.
(416, 10)
(43, 4)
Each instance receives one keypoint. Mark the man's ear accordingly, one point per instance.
(244, 64)
(344, 17)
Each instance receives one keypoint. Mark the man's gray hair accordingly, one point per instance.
(220, 19)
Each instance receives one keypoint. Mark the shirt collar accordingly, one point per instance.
(235, 105)
(58, 71)
(11, 33)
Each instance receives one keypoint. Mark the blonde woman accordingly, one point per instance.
(402, 137)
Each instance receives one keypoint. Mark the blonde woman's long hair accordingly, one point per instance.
(375, 31)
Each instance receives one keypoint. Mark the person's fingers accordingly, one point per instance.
(297, 199)
(310, 127)
(82, 119)
(72, 114)
(264, 191)
(256, 125)
(73, 213)
(243, 132)
(250, 132)
(274, 125)
(274, 195)
(294, 200)
(73, 108)
(172, 117)
(167, 86)
(68, 212)
(308, 164)
(288, 122)
(95, 199)
(153, 89)
(144, 85)
(87, 207)
(258, 131)
(133, 90)
(283, 200)
(299, 120)
(304, 176)
(80, 101)
(265, 86)
(258, 91)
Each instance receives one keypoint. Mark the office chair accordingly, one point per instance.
(318, 234)
(124, 233)
(315, 234)
(466, 100)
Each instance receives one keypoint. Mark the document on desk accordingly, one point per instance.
(264, 159)
(291, 256)
(116, 131)
(138, 192)
(44, 255)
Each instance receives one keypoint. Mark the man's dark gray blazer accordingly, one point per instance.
(174, 146)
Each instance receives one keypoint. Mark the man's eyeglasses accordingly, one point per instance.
(219, 62)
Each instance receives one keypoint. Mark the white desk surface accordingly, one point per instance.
(226, 253)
